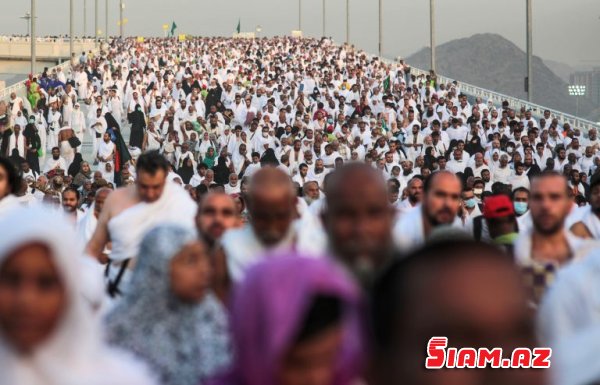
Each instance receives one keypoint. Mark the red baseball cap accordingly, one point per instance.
(497, 206)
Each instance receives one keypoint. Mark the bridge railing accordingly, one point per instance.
(20, 89)
(46, 39)
(515, 103)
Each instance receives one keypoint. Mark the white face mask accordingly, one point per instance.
(477, 191)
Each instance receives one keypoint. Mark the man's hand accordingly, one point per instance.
(103, 258)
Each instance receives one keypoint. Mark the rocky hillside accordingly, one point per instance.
(493, 62)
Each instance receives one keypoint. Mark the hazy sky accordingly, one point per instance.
(563, 30)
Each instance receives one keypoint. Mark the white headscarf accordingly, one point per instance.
(74, 354)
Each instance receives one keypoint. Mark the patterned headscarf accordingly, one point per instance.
(160, 328)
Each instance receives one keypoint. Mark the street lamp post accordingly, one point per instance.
(84, 18)
(432, 32)
(96, 21)
(71, 25)
(529, 52)
(577, 91)
(33, 38)
(299, 15)
(27, 19)
(380, 28)
(106, 19)
(121, 9)
(324, 17)
(258, 30)
(347, 21)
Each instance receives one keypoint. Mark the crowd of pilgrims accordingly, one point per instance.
(290, 212)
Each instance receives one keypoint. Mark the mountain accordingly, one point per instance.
(495, 63)
(562, 70)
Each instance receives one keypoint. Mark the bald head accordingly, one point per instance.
(359, 175)
(358, 218)
(271, 181)
(271, 204)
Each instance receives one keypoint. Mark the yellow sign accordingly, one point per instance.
(140, 39)
(182, 37)
(165, 26)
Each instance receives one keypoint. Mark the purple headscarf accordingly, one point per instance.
(269, 307)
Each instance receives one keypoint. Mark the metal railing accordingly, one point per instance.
(514, 103)
(46, 39)
(20, 89)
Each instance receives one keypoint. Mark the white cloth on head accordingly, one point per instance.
(74, 353)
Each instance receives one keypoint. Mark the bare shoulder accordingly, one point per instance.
(581, 230)
(120, 200)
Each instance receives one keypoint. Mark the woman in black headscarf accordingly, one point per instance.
(429, 159)
(122, 155)
(138, 124)
(222, 171)
(186, 171)
(33, 143)
(111, 122)
(269, 158)
(76, 165)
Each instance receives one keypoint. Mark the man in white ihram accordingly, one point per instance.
(131, 211)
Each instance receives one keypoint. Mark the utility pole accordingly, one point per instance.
(347, 21)
(380, 28)
(529, 52)
(324, 18)
(33, 37)
(96, 21)
(106, 20)
(432, 32)
(84, 18)
(71, 24)
(121, 8)
(27, 19)
(299, 15)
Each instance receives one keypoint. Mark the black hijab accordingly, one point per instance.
(221, 171)
(136, 117)
(75, 167)
(186, 172)
(269, 158)
(111, 122)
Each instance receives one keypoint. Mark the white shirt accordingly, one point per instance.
(572, 303)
